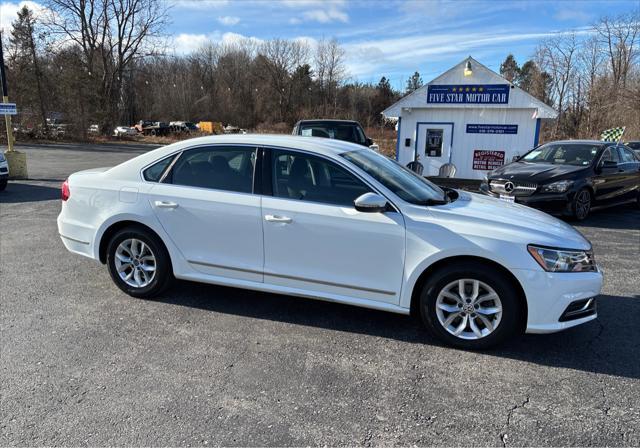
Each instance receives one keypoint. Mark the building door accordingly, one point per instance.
(433, 146)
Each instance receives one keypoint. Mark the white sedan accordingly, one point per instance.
(330, 220)
(124, 131)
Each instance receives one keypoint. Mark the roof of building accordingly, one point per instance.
(518, 98)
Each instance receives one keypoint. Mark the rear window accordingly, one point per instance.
(348, 132)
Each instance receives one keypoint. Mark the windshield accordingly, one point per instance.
(340, 131)
(563, 154)
(404, 183)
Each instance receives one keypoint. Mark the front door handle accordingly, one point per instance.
(276, 218)
(165, 204)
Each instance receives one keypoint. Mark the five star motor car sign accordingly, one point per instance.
(468, 94)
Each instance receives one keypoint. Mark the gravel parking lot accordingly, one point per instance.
(83, 364)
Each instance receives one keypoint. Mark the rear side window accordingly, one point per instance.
(308, 178)
(218, 168)
(154, 172)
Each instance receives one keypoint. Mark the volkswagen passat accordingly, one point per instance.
(331, 220)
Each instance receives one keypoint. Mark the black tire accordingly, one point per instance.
(580, 206)
(3, 184)
(509, 324)
(163, 274)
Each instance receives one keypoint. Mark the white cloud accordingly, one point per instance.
(229, 20)
(371, 56)
(321, 11)
(9, 12)
(572, 14)
(185, 43)
(326, 15)
(235, 38)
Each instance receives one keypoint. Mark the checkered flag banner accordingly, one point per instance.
(612, 135)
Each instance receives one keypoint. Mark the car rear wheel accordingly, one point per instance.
(3, 184)
(470, 306)
(581, 204)
(139, 263)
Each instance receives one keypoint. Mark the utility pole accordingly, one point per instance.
(17, 160)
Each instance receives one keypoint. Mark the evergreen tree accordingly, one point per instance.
(509, 68)
(414, 83)
(25, 58)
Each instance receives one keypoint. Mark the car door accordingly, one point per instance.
(316, 241)
(609, 180)
(207, 207)
(630, 167)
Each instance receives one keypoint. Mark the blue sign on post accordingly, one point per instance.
(492, 129)
(8, 109)
(468, 94)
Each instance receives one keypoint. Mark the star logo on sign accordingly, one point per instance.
(480, 89)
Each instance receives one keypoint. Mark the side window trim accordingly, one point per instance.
(169, 167)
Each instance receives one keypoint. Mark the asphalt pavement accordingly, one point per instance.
(81, 363)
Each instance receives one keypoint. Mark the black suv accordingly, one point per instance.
(569, 177)
(346, 130)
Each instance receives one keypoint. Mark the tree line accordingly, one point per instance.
(591, 78)
(106, 62)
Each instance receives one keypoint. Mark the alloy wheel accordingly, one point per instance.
(469, 309)
(135, 263)
(583, 204)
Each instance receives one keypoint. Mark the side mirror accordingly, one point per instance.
(370, 203)
(368, 141)
(515, 158)
(375, 147)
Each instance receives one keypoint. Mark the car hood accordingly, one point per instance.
(534, 172)
(476, 215)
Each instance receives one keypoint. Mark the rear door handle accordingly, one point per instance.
(276, 218)
(165, 204)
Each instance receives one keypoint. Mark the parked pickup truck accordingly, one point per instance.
(147, 127)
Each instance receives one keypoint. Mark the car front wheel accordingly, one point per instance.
(470, 306)
(3, 184)
(139, 263)
(581, 205)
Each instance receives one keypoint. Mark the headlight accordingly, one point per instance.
(558, 187)
(563, 260)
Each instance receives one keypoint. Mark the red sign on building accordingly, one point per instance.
(487, 160)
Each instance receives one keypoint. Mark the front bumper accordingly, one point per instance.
(556, 203)
(552, 296)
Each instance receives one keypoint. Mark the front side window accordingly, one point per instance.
(610, 154)
(308, 178)
(626, 155)
(563, 154)
(218, 168)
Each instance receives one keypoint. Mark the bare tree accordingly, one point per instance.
(329, 69)
(557, 56)
(111, 34)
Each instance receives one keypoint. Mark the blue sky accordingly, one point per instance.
(390, 38)
(394, 38)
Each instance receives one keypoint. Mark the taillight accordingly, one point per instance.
(66, 193)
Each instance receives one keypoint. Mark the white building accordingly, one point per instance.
(469, 116)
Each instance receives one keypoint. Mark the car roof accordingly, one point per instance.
(331, 120)
(582, 142)
(318, 145)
